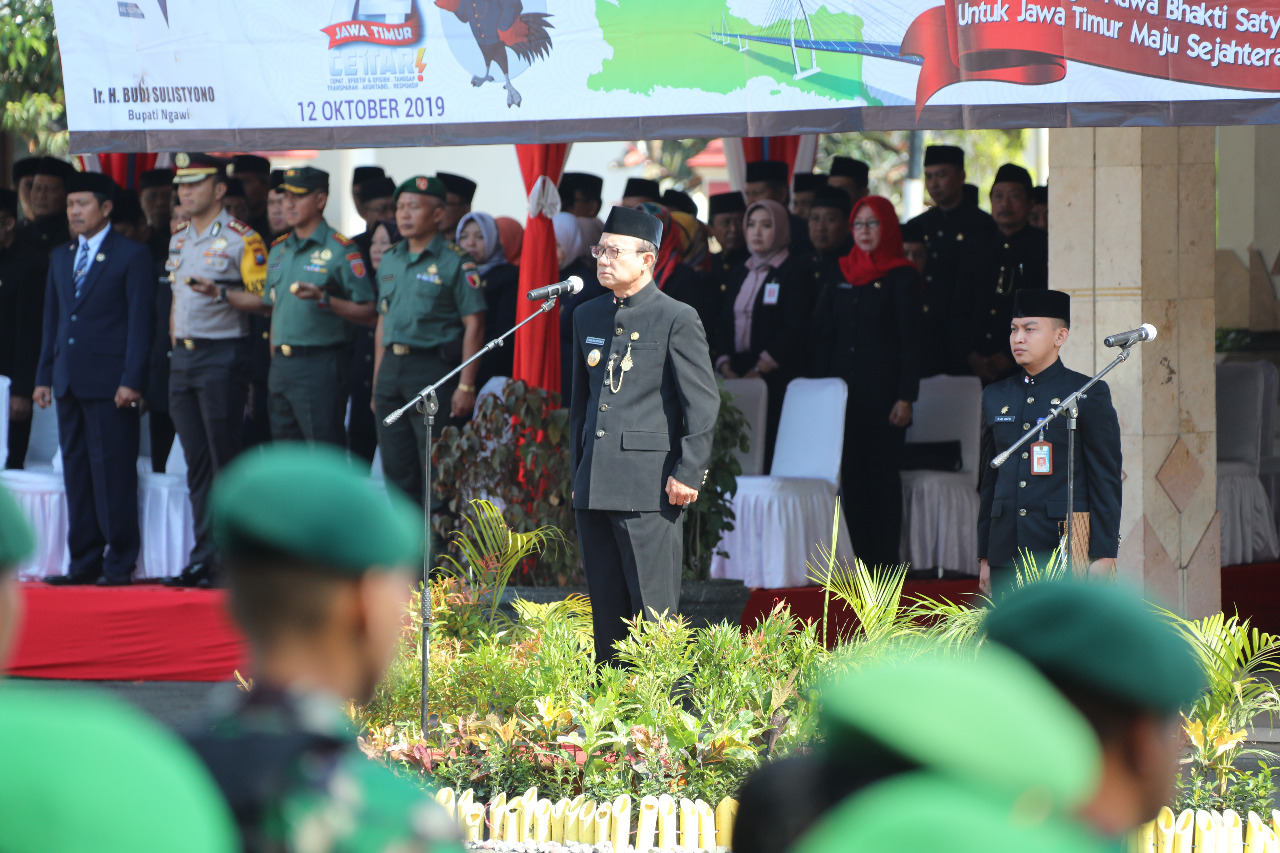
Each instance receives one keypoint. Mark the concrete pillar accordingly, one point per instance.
(1132, 240)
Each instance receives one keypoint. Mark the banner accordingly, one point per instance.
(175, 74)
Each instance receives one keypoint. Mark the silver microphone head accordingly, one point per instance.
(1151, 331)
(575, 285)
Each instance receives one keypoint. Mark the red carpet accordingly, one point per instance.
(139, 633)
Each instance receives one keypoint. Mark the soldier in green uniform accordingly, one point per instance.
(318, 582)
(430, 319)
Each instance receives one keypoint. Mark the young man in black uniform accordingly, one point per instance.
(643, 414)
(726, 212)
(1024, 502)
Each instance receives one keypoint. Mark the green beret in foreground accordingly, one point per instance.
(306, 501)
(422, 185)
(926, 813)
(1102, 637)
(987, 719)
(16, 541)
(120, 784)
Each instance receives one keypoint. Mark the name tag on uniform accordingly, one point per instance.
(771, 293)
(595, 342)
(1004, 419)
(1042, 458)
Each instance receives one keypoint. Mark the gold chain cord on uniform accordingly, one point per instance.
(626, 365)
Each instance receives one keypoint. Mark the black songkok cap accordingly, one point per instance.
(944, 155)
(911, 232)
(767, 170)
(1033, 302)
(464, 188)
(731, 202)
(807, 182)
(55, 168)
(25, 168)
(592, 186)
(1040, 195)
(681, 201)
(92, 182)
(1013, 174)
(249, 164)
(156, 178)
(832, 197)
(364, 173)
(847, 167)
(235, 188)
(632, 222)
(642, 188)
(9, 202)
(377, 188)
(126, 208)
(276, 181)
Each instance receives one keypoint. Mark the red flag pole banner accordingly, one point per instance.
(1030, 42)
(537, 345)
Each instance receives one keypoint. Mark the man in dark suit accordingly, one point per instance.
(98, 325)
(22, 274)
(644, 411)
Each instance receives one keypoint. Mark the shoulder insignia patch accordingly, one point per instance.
(468, 265)
(277, 241)
(473, 279)
(239, 227)
(357, 265)
(341, 240)
(177, 225)
(457, 250)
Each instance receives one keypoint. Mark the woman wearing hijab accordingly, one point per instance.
(574, 254)
(766, 311)
(511, 233)
(868, 335)
(478, 235)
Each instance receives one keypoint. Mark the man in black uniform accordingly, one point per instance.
(581, 193)
(852, 176)
(644, 411)
(254, 174)
(639, 190)
(830, 234)
(1020, 259)
(1024, 502)
(48, 224)
(22, 277)
(959, 237)
(678, 200)
(460, 192)
(725, 220)
(768, 179)
(358, 176)
(803, 186)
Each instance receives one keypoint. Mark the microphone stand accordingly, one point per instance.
(427, 403)
(1071, 406)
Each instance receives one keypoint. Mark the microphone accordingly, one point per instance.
(1146, 332)
(572, 284)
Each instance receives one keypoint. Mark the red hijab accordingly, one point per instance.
(861, 268)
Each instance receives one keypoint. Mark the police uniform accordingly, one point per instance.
(644, 408)
(209, 372)
(422, 301)
(308, 384)
(1021, 509)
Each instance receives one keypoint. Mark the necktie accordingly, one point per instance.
(82, 267)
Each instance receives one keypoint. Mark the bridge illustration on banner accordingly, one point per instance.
(788, 23)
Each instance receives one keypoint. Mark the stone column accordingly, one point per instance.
(1131, 238)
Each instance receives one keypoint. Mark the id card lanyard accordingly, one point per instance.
(1042, 457)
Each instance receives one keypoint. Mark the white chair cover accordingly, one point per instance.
(4, 421)
(41, 496)
(783, 518)
(940, 508)
(1247, 519)
(494, 386)
(43, 445)
(751, 397)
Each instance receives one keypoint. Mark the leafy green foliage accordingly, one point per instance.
(31, 76)
(709, 517)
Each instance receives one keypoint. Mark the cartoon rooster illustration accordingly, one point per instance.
(498, 25)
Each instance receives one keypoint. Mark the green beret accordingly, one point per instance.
(422, 185)
(909, 706)
(926, 813)
(135, 787)
(306, 501)
(1101, 637)
(16, 541)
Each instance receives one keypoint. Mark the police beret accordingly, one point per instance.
(847, 167)
(155, 178)
(464, 188)
(249, 164)
(944, 155)
(92, 182)
(631, 222)
(126, 208)
(194, 167)
(642, 188)
(364, 173)
(681, 201)
(305, 180)
(1032, 302)
(306, 501)
(9, 202)
(422, 185)
(1099, 637)
(805, 182)
(376, 188)
(276, 181)
(1040, 194)
(25, 168)
(832, 197)
(731, 202)
(912, 233)
(588, 184)
(55, 168)
(16, 540)
(1014, 174)
(767, 170)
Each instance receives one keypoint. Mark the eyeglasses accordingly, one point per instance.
(612, 252)
(866, 224)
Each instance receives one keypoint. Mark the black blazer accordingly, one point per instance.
(780, 328)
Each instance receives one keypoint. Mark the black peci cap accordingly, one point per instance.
(767, 170)
(463, 188)
(55, 168)
(126, 208)
(249, 164)
(1013, 174)
(832, 197)
(25, 168)
(364, 173)
(944, 155)
(642, 188)
(276, 181)
(376, 188)
(631, 222)
(92, 182)
(155, 178)
(807, 182)
(681, 201)
(1033, 302)
(847, 167)
(592, 186)
(730, 202)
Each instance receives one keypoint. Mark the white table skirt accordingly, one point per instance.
(940, 521)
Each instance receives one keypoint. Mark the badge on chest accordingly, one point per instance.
(1042, 458)
(771, 291)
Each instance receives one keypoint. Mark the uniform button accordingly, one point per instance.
(1001, 269)
(368, 358)
(604, 407)
(1022, 512)
(1022, 484)
(1026, 455)
(71, 340)
(925, 309)
(599, 433)
(618, 331)
(1031, 399)
(1026, 426)
(993, 312)
(1006, 245)
(73, 318)
(988, 336)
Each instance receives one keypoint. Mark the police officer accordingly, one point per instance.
(1020, 259)
(319, 568)
(209, 372)
(644, 410)
(430, 319)
(1023, 503)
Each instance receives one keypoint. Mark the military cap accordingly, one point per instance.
(126, 208)
(55, 168)
(365, 173)
(592, 186)
(847, 167)
(92, 182)
(631, 222)
(642, 188)
(153, 178)
(44, 807)
(944, 155)
(1040, 194)
(323, 512)
(1102, 638)
(1033, 302)
(1046, 746)
(235, 188)
(422, 185)
(464, 188)
(804, 182)
(768, 170)
(194, 167)
(912, 232)
(681, 201)
(249, 164)
(1014, 174)
(276, 181)
(376, 188)
(16, 540)
(832, 197)
(9, 202)
(731, 202)
(305, 180)
(25, 168)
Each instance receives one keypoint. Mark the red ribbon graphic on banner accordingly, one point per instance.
(393, 35)
(1030, 41)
